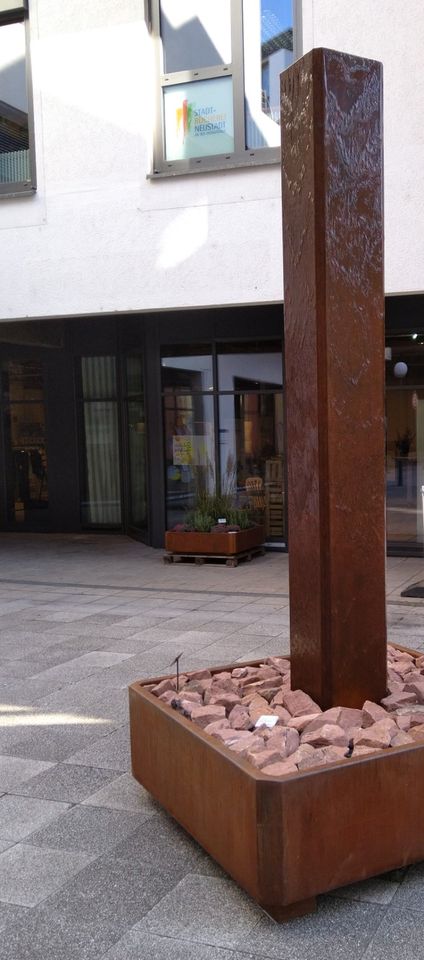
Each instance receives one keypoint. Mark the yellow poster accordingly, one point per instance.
(182, 451)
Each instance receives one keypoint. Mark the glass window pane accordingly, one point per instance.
(251, 439)
(198, 118)
(134, 375)
(187, 373)
(137, 457)
(22, 380)
(195, 33)
(14, 138)
(25, 441)
(405, 440)
(268, 50)
(189, 453)
(98, 377)
(245, 369)
(101, 504)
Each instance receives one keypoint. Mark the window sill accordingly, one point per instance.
(252, 158)
(9, 191)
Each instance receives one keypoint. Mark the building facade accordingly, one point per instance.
(141, 317)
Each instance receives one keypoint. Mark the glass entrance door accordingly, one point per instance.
(136, 481)
(224, 432)
(25, 445)
(405, 442)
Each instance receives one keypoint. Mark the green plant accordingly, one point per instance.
(200, 520)
(239, 517)
(209, 508)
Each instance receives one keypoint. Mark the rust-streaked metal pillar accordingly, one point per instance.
(332, 184)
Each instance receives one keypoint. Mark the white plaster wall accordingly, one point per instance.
(392, 32)
(99, 236)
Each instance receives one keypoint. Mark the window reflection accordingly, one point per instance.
(251, 440)
(136, 421)
(192, 372)
(244, 409)
(14, 137)
(241, 369)
(190, 454)
(101, 493)
(268, 50)
(25, 435)
(405, 439)
(195, 35)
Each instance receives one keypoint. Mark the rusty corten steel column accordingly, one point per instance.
(334, 360)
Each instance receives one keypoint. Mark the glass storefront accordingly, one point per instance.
(405, 441)
(136, 437)
(22, 388)
(223, 419)
(127, 438)
(188, 411)
(101, 481)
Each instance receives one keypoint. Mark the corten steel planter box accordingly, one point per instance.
(220, 544)
(287, 839)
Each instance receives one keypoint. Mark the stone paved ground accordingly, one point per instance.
(90, 867)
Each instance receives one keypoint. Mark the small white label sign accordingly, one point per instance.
(266, 721)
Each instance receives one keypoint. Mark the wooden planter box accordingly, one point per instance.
(219, 544)
(283, 840)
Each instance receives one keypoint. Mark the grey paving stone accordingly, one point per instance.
(124, 793)
(268, 627)
(123, 889)
(21, 816)
(90, 829)
(88, 702)
(411, 891)
(43, 935)
(5, 844)
(339, 929)
(29, 690)
(161, 841)
(53, 655)
(30, 874)
(79, 667)
(10, 914)
(103, 619)
(137, 643)
(15, 770)
(400, 935)
(140, 944)
(111, 752)
(53, 744)
(128, 627)
(65, 782)
(206, 910)
(375, 890)
(19, 669)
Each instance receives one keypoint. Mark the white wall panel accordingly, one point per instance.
(100, 237)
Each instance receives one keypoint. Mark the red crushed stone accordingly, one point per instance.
(228, 706)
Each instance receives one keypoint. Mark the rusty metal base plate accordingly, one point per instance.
(283, 840)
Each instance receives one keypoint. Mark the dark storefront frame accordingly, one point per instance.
(404, 325)
(59, 345)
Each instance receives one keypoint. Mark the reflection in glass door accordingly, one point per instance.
(101, 481)
(188, 409)
(232, 392)
(25, 443)
(405, 442)
(251, 445)
(251, 431)
(136, 426)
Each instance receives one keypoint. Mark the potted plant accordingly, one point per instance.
(215, 527)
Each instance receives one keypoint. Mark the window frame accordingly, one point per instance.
(16, 11)
(242, 156)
